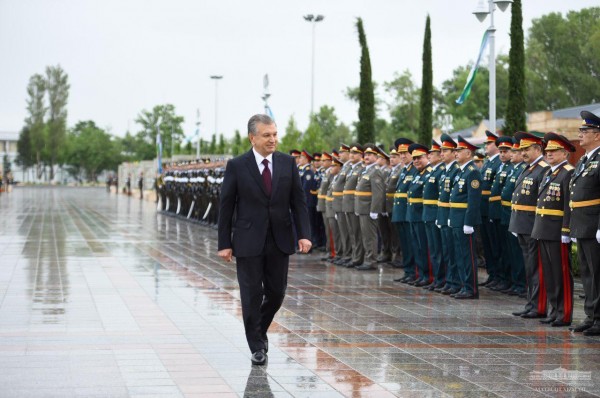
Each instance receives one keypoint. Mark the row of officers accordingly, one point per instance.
(420, 206)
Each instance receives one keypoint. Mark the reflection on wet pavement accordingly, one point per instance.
(100, 296)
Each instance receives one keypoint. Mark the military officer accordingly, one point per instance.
(307, 177)
(319, 236)
(333, 172)
(504, 145)
(431, 193)
(369, 197)
(452, 284)
(296, 155)
(344, 252)
(407, 174)
(551, 229)
(585, 220)
(390, 250)
(348, 205)
(414, 215)
(322, 201)
(465, 215)
(524, 201)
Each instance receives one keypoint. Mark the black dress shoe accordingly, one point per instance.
(450, 292)
(429, 286)
(581, 296)
(399, 279)
(422, 283)
(523, 295)
(581, 327)
(501, 286)
(492, 284)
(488, 280)
(547, 321)
(259, 357)
(532, 315)
(559, 323)
(593, 331)
(352, 264)
(466, 296)
(365, 267)
(384, 260)
(410, 280)
(519, 313)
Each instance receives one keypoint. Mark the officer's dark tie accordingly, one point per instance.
(582, 164)
(266, 175)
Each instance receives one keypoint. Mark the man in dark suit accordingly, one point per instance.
(261, 193)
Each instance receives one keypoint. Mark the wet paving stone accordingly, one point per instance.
(100, 296)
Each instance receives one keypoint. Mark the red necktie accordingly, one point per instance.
(266, 175)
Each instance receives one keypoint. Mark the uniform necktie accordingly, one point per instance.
(582, 164)
(266, 176)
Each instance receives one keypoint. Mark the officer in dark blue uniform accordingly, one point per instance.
(307, 177)
(452, 284)
(465, 202)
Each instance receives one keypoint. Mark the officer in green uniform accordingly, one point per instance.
(345, 250)
(431, 192)
(322, 201)
(452, 284)
(407, 174)
(465, 202)
(585, 220)
(414, 215)
(391, 182)
(504, 145)
(515, 254)
(551, 229)
(369, 198)
(524, 201)
(331, 222)
(348, 205)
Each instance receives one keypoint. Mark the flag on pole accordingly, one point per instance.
(159, 150)
(471, 78)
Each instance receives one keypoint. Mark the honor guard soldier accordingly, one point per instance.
(296, 155)
(331, 223)
(515, 254)
(585, 220)
(414, 215)
(431, 192)
(489, 240)
(369, 200)
(326, 178)
(551, 229)
(390, 250)
(348, 205)
(524, 201)
(384, 226)
(465, 200)
(399, 219)
(452, 284)
(307, 177)
(478, 160)
(319, 237)
(344, 252)
(504, 145)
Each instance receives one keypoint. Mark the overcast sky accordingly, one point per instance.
(123, 56)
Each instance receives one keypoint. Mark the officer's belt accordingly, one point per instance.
(486, 192)
(313, 192)
(495, 198)
(329, 198)
(338, 193)
(321, 196)
(415, 200)
(433, 202)
(584, 203)
(400, 195)
(349, 192)
(359, 193)
(443, 204)
(507, 203)
(523, 207)
(549, 212)
(459, 205)
(390, 195)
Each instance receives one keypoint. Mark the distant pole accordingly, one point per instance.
(313, 20)
(216, 78)
(198, 133)
(266, 95)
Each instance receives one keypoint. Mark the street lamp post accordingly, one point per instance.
(481, 13)
(216, 78)
(313, 20)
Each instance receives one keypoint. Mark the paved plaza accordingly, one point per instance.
(100, 296)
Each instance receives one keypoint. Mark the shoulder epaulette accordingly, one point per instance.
(543, 163)
(471, 168)
(568, 167)
(443, 167)
(429, 168)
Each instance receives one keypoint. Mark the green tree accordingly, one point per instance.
(212, 148)
(170, 130)
(221, 147)
(25, 157)
(404, 105)
(366, 103)
(516, 118)
(426, 119)
(291, 139)
(563, 61)
(333, 133)
(312, 140)
(57, 86)
(33, 137)
(239, 144)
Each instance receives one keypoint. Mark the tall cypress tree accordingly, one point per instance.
(366, 96)
(425, 122)
(515, 110)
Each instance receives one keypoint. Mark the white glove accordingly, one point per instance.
(468, 230)
(565, 239)
(356, 214)
(335, 216)
(448, 222)
(574, 240)
(373, 216)
(385, 214)
(598, 235)
(515, 234)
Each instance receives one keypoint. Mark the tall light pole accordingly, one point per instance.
(216, 78)
(481, 13)
(313, 20)
(266, 95)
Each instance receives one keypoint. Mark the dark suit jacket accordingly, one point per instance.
(246, 211)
